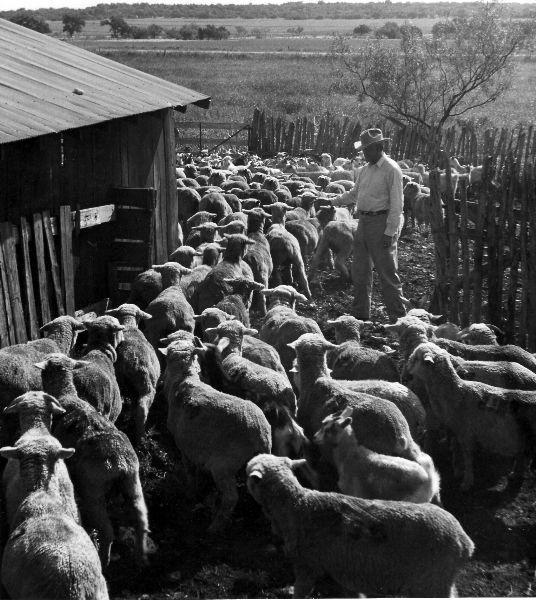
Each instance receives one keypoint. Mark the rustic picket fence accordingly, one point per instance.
(485, 239)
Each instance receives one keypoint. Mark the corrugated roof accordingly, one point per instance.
(39, 76)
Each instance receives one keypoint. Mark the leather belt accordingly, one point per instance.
(372, 213)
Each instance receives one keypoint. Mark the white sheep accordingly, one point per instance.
(375, 548)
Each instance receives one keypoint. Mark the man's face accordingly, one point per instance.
(373, 152)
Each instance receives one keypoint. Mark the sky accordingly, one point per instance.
(35, 4)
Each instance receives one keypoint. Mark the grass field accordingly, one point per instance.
(293, 84)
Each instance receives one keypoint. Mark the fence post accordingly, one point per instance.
(439, 300)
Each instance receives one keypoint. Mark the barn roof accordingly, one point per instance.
(48, 86)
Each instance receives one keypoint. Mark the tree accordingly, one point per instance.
(72, 24)
(444, 29)
(361, 30)
(426, 82)
(29, 21)
(154, 31)
(119, 28)
(389, 30)
(408, 30)
(240, 31)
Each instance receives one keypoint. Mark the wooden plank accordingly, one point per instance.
(210, 125)
(67, 269)
(12, 272)
(33, 327)
(54, 266)
(6, 302)
(41, 268)
(172, 207)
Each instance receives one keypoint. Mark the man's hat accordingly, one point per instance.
(369, 137)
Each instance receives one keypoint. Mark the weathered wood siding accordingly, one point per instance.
(80, 168)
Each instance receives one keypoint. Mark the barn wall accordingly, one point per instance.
(81, 168)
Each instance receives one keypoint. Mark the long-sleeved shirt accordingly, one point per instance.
(378, 187)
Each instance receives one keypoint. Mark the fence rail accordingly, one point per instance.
(205, 134)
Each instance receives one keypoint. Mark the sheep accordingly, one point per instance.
(191, 281)
(188, 200)
(306, 233)
(213, 288)
(144, 288)
(327, 213)
(375, 548)
(282, 325)
(48, 554)
(253, 349)
(368, 474)
(215, 202)
(205, 233)
(416, 205)
(479, 334)
(35, 410)
(104, 458)
(214, 431)
(454, 177)
(475, 412)
(95, 381)
(235, 216)
(184, 255)
(351, 360)
(320, 395)
(238, 302)
(285, 251)
(258, 256)
(169, 310)
(338, 238)
(137, 366)
(199, 218)
(17, 374)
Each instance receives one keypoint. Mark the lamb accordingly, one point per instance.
(327, 213)
(235, 226)
(213, 288)
(479, 334)
(104, 458)
(416, 205)
(474, 412)
(351, 360)
(320, 396)
(306, 233)
(199, 218)
(48, 554)
(190, 282)
(367, 474)
(137, 366)
(188, 200)
(215, 432)
(253, 349)
(238, 302)
(258, 255)
(454, 176)
(95, 381)
(169, 310)
(282, 325)
(184, 255)
(375, 548)
(338, 238)
(144, 288)
(35, 410)
(205, 233)
(285, 251)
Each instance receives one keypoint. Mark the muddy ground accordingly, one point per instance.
(248, 562)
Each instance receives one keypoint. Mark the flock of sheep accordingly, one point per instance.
(329, 435)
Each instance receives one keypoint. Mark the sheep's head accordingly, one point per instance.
(448, 331)
(479, 333)
(243, 286)
(237, 244)
(424, 360)
(307, 200)
(333, 428)
(347, 328)
(171, 273)
(34, 404)
(278, 211)
(288, 438)
(216, 178)
(105, 331)
(264, 469)
(256, 213)
(283, 294)
(270, 183)
(65, 327)
(184, 255)
(230, 335)
(179, 335)
(210, 318)
(424, 315)
(207, 231)
(190, 170)
(310, 345)
(128, 313)
(250, 203)
(203, 216)
(235, 226)
(181, 357)
(411, 190)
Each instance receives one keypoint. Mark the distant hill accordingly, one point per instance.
(288, 10)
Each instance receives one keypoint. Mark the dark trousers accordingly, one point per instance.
(369, 252)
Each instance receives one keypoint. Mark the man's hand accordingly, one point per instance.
(387, 241)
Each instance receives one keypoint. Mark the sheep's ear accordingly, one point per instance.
(391, 329)
(41, 365)
(163, 351)
(118, 328)
(389, 351)
(65, 453)
(250, 331)
(296, 464)
(249, 242)
(196, 253)
(144, 315)
(292, 345)
(55, 408)
(346, 422)
(267, 292)
(196, 318)
(328, 345)
(332, 321)
(12, 408)
(113, 312)
(185, 271)
(222, 344)
(198, 343)
(255, 475)
(79, 326)
(230, 317)
(294, 369)
(10, 452)
(299, 297)
(211, 330)
(428, 358)
(347, 412)
(81, 363)
(434, 318)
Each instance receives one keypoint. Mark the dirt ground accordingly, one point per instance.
(248, 562)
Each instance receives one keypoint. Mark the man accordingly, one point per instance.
(379, 201)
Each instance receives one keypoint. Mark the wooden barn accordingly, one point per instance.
(87, 171)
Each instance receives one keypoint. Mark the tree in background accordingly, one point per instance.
(154, 31)
(389, 30)
(408, 30)
(211, 32)
(425, 82)
(72, 24)
(119, 28)
(31, 22)
(240, 31)
(362, 30)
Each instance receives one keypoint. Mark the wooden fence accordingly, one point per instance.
(485, 238)
(209, 135)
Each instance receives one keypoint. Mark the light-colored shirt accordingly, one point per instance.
(378, 187)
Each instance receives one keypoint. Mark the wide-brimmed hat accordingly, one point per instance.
(369, 137)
